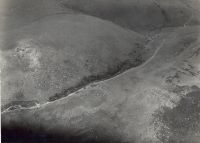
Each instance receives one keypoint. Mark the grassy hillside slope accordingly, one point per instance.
(144, 104)
(57, 55)
(140, 15)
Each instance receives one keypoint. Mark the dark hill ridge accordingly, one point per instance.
(140, 15)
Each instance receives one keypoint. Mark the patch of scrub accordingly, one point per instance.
(28, 54)
(181, 123)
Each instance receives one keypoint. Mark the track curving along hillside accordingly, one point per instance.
(57, 55)
(141, 105)
(100, 71)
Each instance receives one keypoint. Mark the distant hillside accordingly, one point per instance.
(140, 15)
(15, 14)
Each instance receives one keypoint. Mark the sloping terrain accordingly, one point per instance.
(140, 15)
(57, 55)
(100, 71)
(15, 14)
(144, 104)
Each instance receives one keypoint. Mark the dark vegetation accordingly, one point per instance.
(180, 121)
(94, 78)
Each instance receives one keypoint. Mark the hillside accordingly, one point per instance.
(57, 55)
(15, 14)
(100, 71)
(140, 15)
(154, 102)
